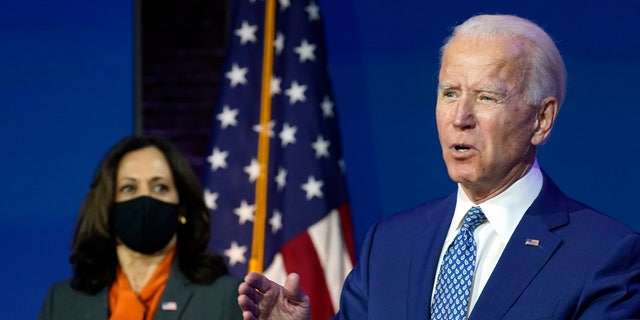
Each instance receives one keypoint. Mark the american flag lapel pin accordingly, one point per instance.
(532, 242)
(169, 306)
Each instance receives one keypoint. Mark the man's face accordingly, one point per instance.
(484, 124)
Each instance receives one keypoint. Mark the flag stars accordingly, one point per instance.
(305, 51)
(275, 221)
(275, 85)
(227, 117)
(312, 188)
(281, 178)
(288, 134)
(245, 212)
(310, 100)
(253, 170)
(218, 159)
(258, 128)
(284, 4)
(327, 107)
(247, 32)
(313, 10)
(210, 199)
(321, 147)
(278, 43)
(236, 253)
(237, 75)
(296, 93)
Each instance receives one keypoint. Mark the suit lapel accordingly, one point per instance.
(426, 247)
(175, 297)
(520, 262)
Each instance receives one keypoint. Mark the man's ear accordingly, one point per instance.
(545, 119)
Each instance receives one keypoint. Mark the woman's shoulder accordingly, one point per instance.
(62, 287)
(63, 290)
(224, 282)
(217, 299)
(221, 283)
(64, 302)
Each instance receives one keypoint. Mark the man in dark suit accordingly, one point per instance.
(508, 244)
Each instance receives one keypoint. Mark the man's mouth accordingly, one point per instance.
(461, 148)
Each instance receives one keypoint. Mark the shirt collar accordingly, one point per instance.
(505, 210)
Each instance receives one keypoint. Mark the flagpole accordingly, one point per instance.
(256, 262)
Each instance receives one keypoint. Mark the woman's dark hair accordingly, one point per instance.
(93, 251)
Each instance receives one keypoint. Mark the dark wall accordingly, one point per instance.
(181, 58)
(66, 92)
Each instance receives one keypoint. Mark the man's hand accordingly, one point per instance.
(261, 298)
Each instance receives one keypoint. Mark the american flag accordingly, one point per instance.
(532, 242)
(169, 306)
(307, 218)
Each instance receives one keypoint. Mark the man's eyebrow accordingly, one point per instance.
(493, 90)
(445, 86)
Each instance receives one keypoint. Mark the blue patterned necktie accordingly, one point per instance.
(453, 286)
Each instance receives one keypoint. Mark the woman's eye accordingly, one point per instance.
(127, 188)
(160, 188)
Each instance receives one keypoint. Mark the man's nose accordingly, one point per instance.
(464, 117)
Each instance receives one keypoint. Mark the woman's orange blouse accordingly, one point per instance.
(124, 304)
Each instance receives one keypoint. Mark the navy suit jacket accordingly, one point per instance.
(586, 266)
(218, 300)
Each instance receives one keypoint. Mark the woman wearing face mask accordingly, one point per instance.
(139, 245)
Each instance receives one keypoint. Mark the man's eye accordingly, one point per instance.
(449, 94)
(486, 98)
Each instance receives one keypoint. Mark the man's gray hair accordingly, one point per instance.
(546, 75)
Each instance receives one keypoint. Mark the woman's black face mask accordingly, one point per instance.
(145, 224)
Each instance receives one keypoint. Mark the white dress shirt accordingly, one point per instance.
(503, 213)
